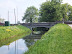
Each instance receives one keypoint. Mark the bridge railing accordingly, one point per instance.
(44, 24)
(68, 22)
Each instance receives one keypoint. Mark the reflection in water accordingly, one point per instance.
(17, 47)
(20, 46)
(32, 38)
(30, 42)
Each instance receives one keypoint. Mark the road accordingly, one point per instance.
(70, 25)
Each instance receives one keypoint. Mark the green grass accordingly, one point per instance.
(10, 40)
(58, 40)
(12, 31)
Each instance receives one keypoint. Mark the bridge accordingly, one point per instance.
(43, 24)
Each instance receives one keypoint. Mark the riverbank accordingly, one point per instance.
(58, 40)
(12, 31)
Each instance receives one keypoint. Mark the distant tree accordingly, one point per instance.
(31, 15)
(65, 11)
(70, 16)
(70, 13)
(50, 11)
(57, 1)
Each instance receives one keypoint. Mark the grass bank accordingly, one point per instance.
(12, 31)
(12, 39)
(58, 40)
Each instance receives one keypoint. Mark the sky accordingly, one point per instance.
(20, 7)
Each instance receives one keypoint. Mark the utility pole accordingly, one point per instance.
(8, 15)
(15, 16)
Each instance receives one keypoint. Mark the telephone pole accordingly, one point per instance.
(8, 15)
(15, 16)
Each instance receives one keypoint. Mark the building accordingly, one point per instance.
(2, 20)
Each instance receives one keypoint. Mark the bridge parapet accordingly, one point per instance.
(44, 24)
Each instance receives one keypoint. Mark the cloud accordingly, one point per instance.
(22, 5)
(7, 4)
(20, 0)
(67, 1)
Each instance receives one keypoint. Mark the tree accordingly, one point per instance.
(50, 11)
(70, 13)
(31, 15)
(57, 0)
(65, 11)
(70, 16)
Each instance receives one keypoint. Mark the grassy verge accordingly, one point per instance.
(12, 31)
(12, 39)
(58, 40)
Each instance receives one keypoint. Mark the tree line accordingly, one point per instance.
(49, 11)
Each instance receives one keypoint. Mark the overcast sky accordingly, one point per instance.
(21, 5)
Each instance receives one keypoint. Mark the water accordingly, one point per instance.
(16, 47)
(19, 46)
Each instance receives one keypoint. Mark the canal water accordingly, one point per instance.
(21, 45)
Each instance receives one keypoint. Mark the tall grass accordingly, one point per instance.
(58, 40)
(12, 39)
(12, 31)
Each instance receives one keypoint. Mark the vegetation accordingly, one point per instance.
(50, 11)
(10, 40)
(57, 0)
(70, 12)
(58, 40)
(31, 15)
(66, 11)
(55, 11)
(12, 31)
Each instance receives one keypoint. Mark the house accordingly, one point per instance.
(2, 20)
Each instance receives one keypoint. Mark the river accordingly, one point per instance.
(20, 45)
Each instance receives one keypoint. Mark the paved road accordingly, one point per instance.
(70, 25)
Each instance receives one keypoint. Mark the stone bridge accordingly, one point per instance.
(44, 24)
